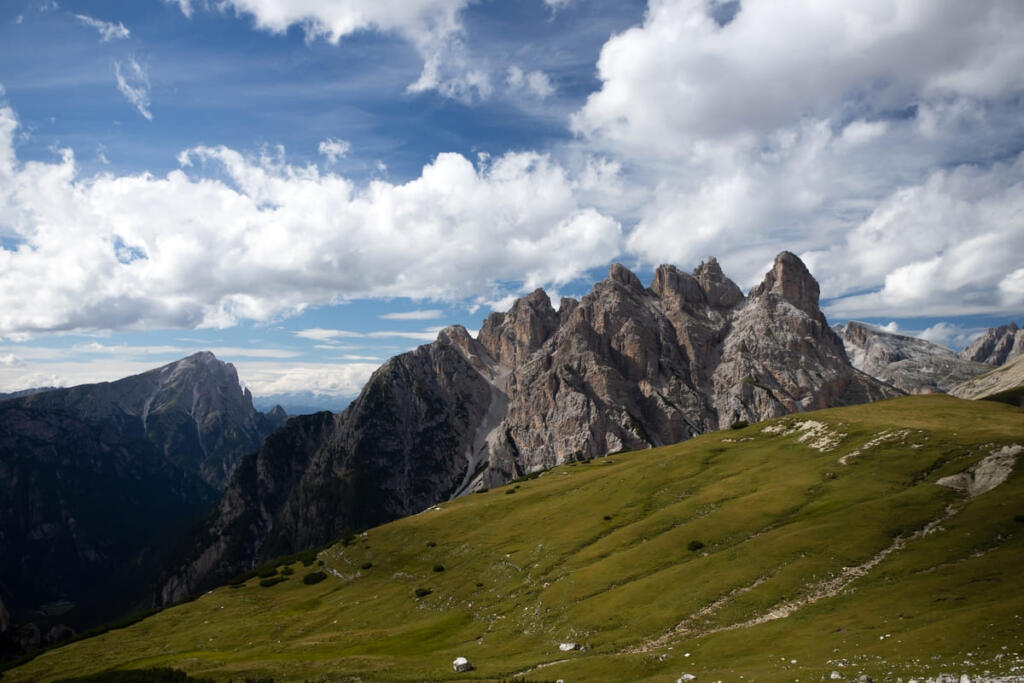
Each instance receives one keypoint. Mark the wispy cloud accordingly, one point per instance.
(108, 30)
(133, 82)
(431, 314)
(322, 335)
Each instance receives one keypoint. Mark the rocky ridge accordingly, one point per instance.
(910, 364)
(625, 367)
(998, 346)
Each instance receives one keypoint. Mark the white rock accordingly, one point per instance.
(686, 677)
(836, 676)
(462, 664)
(568, 647)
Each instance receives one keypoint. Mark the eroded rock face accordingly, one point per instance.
(913, 365)
(998, 346)
(626, 367)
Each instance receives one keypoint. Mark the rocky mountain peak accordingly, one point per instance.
(672, 283)
(790, 280)
(510, 337)
(721, 291)
(998, 346)
(623, 275)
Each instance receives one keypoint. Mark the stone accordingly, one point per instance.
(568, 647)
(997, 346)
(835, 676)
(461, 664)
(686, 677)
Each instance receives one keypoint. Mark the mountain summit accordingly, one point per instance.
(626, 367)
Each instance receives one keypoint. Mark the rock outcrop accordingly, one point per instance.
(998, 346)
(913, 365)
(625, 367)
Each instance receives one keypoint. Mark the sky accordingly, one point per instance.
(309, 187)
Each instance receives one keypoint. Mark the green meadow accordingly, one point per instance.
(746, 554)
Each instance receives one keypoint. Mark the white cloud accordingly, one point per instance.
(332, 379)
(429, 314)
(680, 77)
(11, 361)
(950, 335)
(334, 149)
(108, 30)
(433, 27)
(262, 239)
(892, 327)
(536, 83)
(133, 82)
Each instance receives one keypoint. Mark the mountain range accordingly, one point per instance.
(626, 367)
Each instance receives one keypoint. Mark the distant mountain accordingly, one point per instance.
(999, 345)
(1005, 383)
(194, 410)
(626, 367)
(100, 482)
(301, 403)
(913, 365)
(25, 392)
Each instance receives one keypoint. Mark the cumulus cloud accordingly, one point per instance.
(433, 27)
(950, 335)
(11, 361)
(133, 82)
(334, 149)
(257, 238)
(108, 30)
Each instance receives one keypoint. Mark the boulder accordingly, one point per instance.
(461, 664)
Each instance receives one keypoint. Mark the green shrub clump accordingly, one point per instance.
(739, 424)
(423, 592)
(438, 567)
(694, 545)
(267, 572)
(272, 581)
(367, 565)
(314, 577)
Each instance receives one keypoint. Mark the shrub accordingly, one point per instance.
(438, 567)
(367, 565)
(272, 581)
(1018, 518)
(607, 518)
(347, 536)
(314, 577)
(431, 544)
(694, 545)
(739, 424)
(479, 585)
(267, 572)
(483, 490)
(510, 492)
(423, 592)
(287, 571)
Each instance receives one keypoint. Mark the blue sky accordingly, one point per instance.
(309, 188)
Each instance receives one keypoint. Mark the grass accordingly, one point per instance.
(601, 556)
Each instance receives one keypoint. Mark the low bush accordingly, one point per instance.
(694, 545)
(367, 565)
(287, 571)
(314, 577)
(607, 518)
(438, 567)
(739, 424)
(272, 581)
(510, 491)
(267, 572)
(423, 592)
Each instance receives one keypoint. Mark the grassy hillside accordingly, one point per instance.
(807, 565)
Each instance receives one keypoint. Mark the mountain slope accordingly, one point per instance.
(997, 346)
(784, 550)
(625, 367)
(1005, 383)
(914, 365)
